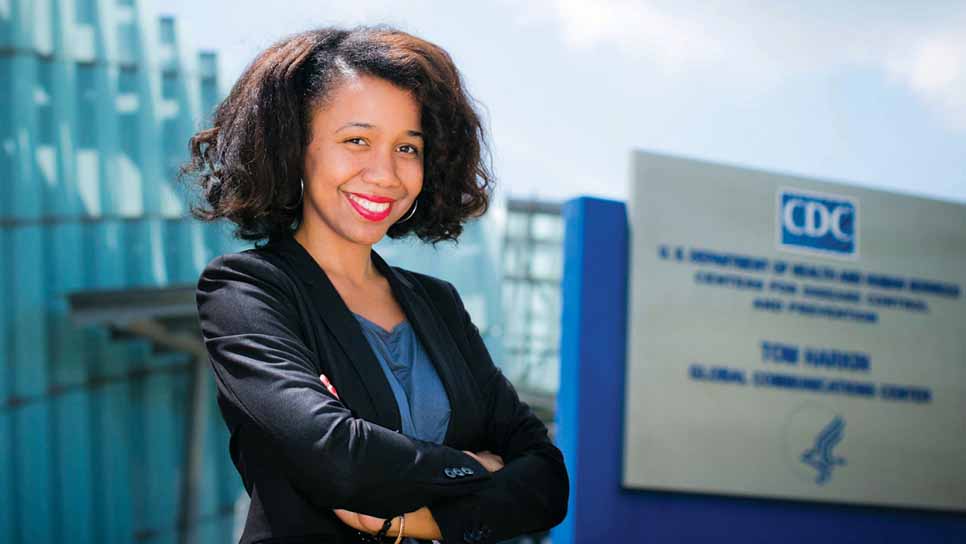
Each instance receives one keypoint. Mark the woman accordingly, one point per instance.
(360, 397)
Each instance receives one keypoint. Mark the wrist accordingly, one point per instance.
(401, 531)
(393, 527)
(386, 526)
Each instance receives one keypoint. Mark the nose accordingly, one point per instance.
(380, 169)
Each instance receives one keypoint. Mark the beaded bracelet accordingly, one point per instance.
(368, 538)
(379, 537)
(385, 528)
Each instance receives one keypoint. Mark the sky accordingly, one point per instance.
(871, 93)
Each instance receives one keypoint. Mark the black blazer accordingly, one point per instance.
(272, 322)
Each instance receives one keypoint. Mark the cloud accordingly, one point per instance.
(935, 68)
(637, 28)
(758, 45)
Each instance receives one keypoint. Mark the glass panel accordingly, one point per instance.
(127, 43)
(8, 145)
(169, 86)
(517, 225)
(85, 12)
(546, 264)
(167, 30)
(86, 106)
(44, 103)
(127, 81)
(547, 227)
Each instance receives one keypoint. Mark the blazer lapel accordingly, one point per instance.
(339, 319)
(371, 384)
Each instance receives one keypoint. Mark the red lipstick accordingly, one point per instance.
(374, 198)
(374, 216)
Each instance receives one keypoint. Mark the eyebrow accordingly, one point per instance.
(413, 133)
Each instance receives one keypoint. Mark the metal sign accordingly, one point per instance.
(795, 338)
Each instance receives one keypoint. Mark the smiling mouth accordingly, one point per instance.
(370, 209)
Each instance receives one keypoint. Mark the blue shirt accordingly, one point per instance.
(423, 405)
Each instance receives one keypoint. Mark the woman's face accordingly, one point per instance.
(364, 161)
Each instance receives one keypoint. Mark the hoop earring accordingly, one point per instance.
(301, 195)
(410, 216)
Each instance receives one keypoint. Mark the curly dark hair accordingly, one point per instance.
(248, 164)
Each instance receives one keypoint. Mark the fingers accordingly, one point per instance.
(352, 519)
(360, 522)
(349, 518)
(495, 461)
(488, 452)
(371, 523)
(490, 461)
(475, 457)
(328, 385)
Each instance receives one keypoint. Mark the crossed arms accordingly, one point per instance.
(270, 380)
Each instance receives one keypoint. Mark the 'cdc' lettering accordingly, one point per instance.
(826, 224)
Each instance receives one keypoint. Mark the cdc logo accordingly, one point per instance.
(820, 223)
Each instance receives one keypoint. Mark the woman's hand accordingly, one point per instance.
(363, 522)
(328, 385)
(490, 461)
(419, 523)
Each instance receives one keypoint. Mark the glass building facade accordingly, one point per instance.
(97, 100)
(532, 272)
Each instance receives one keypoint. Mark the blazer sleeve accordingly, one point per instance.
(530, 493)
(268, 379)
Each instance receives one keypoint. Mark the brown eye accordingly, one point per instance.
(411, 149)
